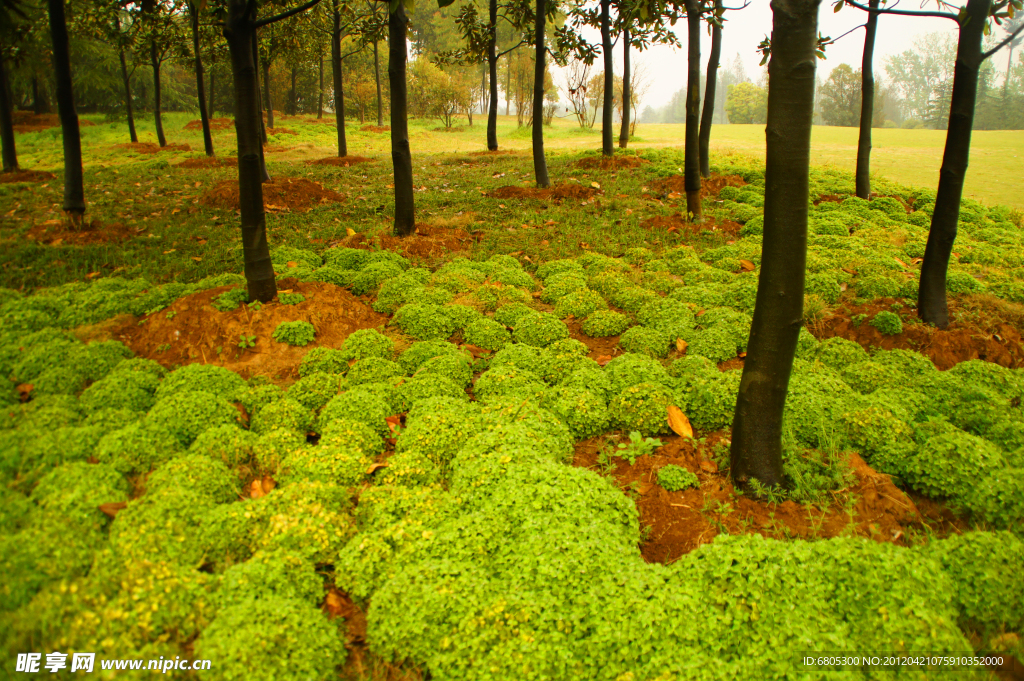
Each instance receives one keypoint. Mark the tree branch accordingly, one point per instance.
(905, 12)
(1003, 43)
(284, 15)
(516, 47)
(833, 40)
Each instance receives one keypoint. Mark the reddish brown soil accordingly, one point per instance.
(280, 194)
(324, 121)
(682, 521)
(150, 148)
(599, 347)
(343, 161)
(281, 131)
(191, 330)
(610, 162)
(496, 152)
(26, 121)
(978, 330)
(275, 149)
(675, 184)
(454, 128)
(676, 223)
(215, 124)
(557, 192)
(26, 176)
(360, 663)
(426, 242)
(58, 232)
(209, 162)
(375, 128)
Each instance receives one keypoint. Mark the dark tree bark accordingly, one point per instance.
(213, 87)
(240, 29)
(10, 154)
(710, 85)
(338, 81)
(691, 160)
(540, 166)
(380, 96)
(778, 312)
(492, 70)
(74, 188)
(931, 296)
(127, 85)
(608, 101)
(627, 96)
(320, 101)
(293, 98)
(204, 117)
(867, 105)
(266, 88)
(39, 105)
(401, 154)
(157, 119)
(259, 96)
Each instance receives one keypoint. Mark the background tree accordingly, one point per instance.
(194, 11)
(401, 154)
(840, 97)
(746, 103)
(916, 75)
(756, 452)
(74, 188)
(867, 105)
(691, 160)
(10, 16)
(160, 35)
(710, 89)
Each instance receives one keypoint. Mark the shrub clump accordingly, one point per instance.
(188, 414)
(315, 390)
(326, 360)
(373, 370)
(367, 343)
(299, 333)
(642, 407)
(206, 378)
(579, 304)
(540, 330)
(645, 341)
(604, 323)
(889, 323)
(425, 321)
(487, 334)
(676, 478)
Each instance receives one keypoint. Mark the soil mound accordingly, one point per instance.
(676, 223)
(281, 131)
(682, 521)
(280, 194)
(26, 176)
(610, 162)
(557, 192)
(192, 330)
(26, 121)
(426, 242)
(710, 186)
(376, 128)
(343, 161)
(150, 148)
(323, 121)
(976, 332)
(215, 124)
(209, 162)
(60, 232)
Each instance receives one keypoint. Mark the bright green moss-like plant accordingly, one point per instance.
(356, 405)
(889, 323)
(420, 352)
(287, 414)
(367, 343)
(583, 411)
(316, 389)
(512, 313)
(645, 341)
(540, 330)
(188, 414)
(605, 323)
(642, 407)
(298, 333)
(327, 463)
(425, 322)
(76, 490)
(230, 299)
(676, 478)
(487, 334)
(270, 574)
(579, 304)
(138, 447)
(373, 370)
(455, 368)
(202, 474)
(205, 378)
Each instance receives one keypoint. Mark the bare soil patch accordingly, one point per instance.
(215, 124)
(343, 161)
(281, 131)
(26, 121)
(323, 121)
(375, 128)
(26, 176)
(710, 186)
(60, 232)
(557, 192)
(208, 162)
(150, 148)
(682, 521)
(676, 223)
(428, 241)
(975, 332)
(280, 194)
(610, 162)
(496, 152)
(192, 330)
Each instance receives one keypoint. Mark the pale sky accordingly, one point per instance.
(746, 28)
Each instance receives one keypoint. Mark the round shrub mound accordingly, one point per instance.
(642, 407)
(604, 323)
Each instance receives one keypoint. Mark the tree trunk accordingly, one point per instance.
(337, 81)
(259, 96)
(691, 160)
(157, 119)
(867, 106)
(127, 85)
(37, 107)
(492, 70)
(778, 312)
(213, 89)
(380, 97)
(401, 155)
(508, 86)
(204, 118)
(239, 29)
(931, 296)
(608, 103)
(74, 189)
(320, 101)
(266, 87)
(10, 155)
(627, 96)
(540, 166)
(293, 103)
(710, 85)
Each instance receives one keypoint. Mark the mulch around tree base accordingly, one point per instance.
(343, 161)
(208, 162)
(427, 241)
(150, 148)
(280, 194)
(215, 124)
(60, 232)
(610, 162)
(26, 176)
(557, 192)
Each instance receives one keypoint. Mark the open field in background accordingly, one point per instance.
(910, 157)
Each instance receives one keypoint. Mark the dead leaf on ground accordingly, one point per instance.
(262, 487)
(681, 346)
(603, 359)
(112, 507)
(349, 231)
(678, 422)
(374, 467)
(334, 604)
(747, 266)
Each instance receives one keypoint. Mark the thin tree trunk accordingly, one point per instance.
(380, 96)
(259, 95)
(204, 118)
(540, 166)
(157, 119)
(320, 101)
(293, 96)
(74, 188)
(508, 86)
(239, 29)
(627, 96)
(266, 87)
(337, 82)
(711, 84)
(931, 296)
(127, 85)
(37, 107)
(492, 69)
(778, 312)
(867, 106)
(401, 155)
(212, 90)
(10, 154)
(608, 101)
(691, 160)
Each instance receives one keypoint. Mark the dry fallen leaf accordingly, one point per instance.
(595, 185)
(603, 359)
(170, 250)
(334, 604)
(678, 422)
(197, 258)
(374, 467)
(350, 232)
(681, 346)
(112, 507)
(24, 389)
(674, 195)
(903, 264)
(262, 487)
(709, 466)
(747, 266)
(291, 263)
